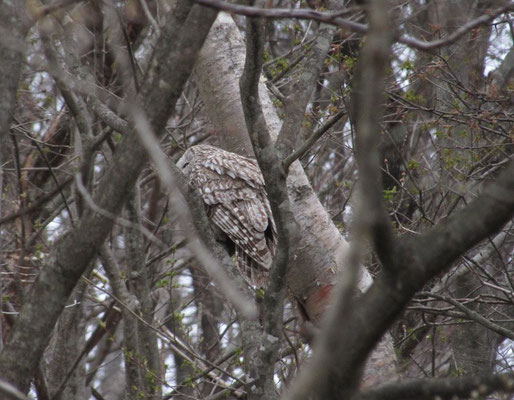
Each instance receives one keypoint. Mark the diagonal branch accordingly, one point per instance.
(176, 199)
(40, 201)
(419, 259)
(474, 316)
(311, 140)
(11, 392)
(486, 215)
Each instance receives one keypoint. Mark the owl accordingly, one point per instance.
(232, 188)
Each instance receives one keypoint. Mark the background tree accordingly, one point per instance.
(386, 122)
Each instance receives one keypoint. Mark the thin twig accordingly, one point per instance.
(37, 203)
(54, 177)
(304, 148)
(150, 17)
(473, 315)
(176, 344)
(119, 220)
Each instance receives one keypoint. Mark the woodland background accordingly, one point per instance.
(393, 123)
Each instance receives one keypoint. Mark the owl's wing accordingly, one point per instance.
(235, 166)
(243, 229)
(232, 187)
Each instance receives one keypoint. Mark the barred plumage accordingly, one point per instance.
(232, 188)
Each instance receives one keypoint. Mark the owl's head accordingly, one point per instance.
(186, 162)
(201, 153)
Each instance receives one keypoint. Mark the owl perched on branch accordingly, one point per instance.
(232, 188)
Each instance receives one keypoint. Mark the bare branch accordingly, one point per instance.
(368, 109)
(150, 17)
(335, 19)
(311, 140)
(335, 371)
(301, 91)
(249, 85)
(492, 209)
(43, 11)
(473, 315)
(447, 388)
(249, 11)
(261, 357)
(11, 392)
(119, 220)
(38, 202)
(107, 115)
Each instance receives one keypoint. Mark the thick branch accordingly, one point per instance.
(418, 260)
(261, 359)
(130, 337)
(147, 356)
(414, 264)
(342, 366)
(249, 85)
(11, 392)
(368, 102)
(12, 48)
